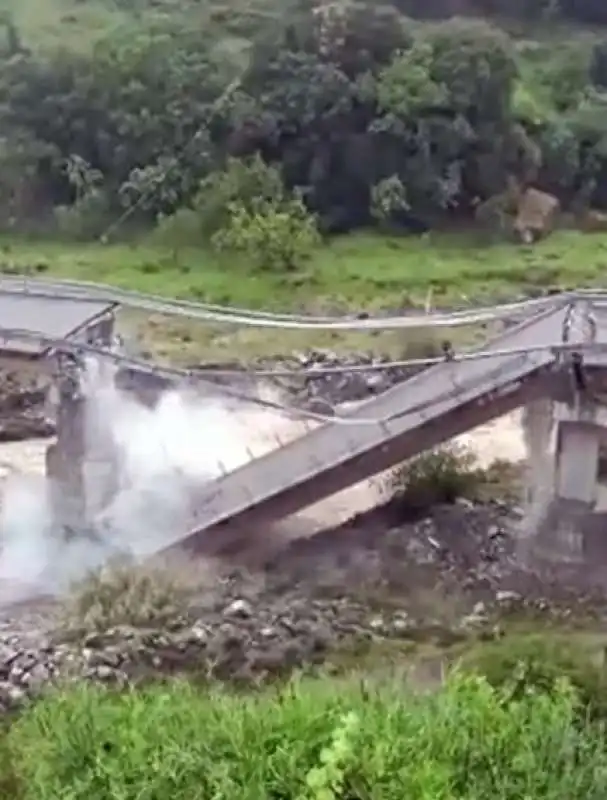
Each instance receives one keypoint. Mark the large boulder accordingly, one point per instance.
(536, 214)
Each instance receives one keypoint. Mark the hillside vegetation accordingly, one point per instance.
(258, 130)
(215, 150)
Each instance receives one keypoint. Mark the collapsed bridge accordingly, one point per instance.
(552, 362)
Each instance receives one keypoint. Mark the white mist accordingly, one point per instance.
(184, 441)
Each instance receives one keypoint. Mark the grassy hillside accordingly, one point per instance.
(78, 24)
(356, 272)
(70, 23)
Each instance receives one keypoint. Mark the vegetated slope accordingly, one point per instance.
(256, 131)
(78, 24)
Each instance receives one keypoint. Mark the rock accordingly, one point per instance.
(38, 675)
(505, 597)
(106, 674)
(479, 610)
(11, 696)
(240, 609)
(536, 215)
(401, 625)
(109, 657)
(377, 624)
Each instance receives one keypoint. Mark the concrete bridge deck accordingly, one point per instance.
(527, 362)
(428, 409)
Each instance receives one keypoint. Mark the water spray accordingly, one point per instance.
(140, 467)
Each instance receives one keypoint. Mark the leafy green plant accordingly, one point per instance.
(438, 476)
(388, 197)
(244, 186)
(326, 781)
(272, 235)
(538, 663)
(88, 216)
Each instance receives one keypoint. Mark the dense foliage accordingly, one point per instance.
(371, 116)
(318, 741)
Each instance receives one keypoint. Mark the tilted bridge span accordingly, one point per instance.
(555, 353)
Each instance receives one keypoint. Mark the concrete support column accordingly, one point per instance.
(538, 426)
(559, 529)
(78, 483)
(576, 488)
(577, 463)
(64, 463)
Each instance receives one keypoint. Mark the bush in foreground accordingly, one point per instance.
(312, 741)
(524, 663)
(122, 593)
(438, 476)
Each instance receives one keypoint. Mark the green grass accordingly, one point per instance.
(317, 740)
(360, 271)
(357, 272)
(44, 24)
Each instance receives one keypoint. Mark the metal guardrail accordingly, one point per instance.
(200, 377)
(84, 291)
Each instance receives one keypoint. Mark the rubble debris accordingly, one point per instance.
(452, 574)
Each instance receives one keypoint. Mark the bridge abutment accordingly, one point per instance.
(564, 485)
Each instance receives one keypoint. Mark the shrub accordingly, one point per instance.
(86, 219)
(123, 594)
(525, 663)
(388, 199)
(244, 183)
(274, 235)
(311, 741)
(179, 230)
(439, 476)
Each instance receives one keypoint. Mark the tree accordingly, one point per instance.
(243, 183)
(270, 234)
(358, 36)
(197, 109)
(476, 63)
(389, 199)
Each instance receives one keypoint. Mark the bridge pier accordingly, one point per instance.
(577, 462)
(561, 517)
(82, 463)
(65, 457)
